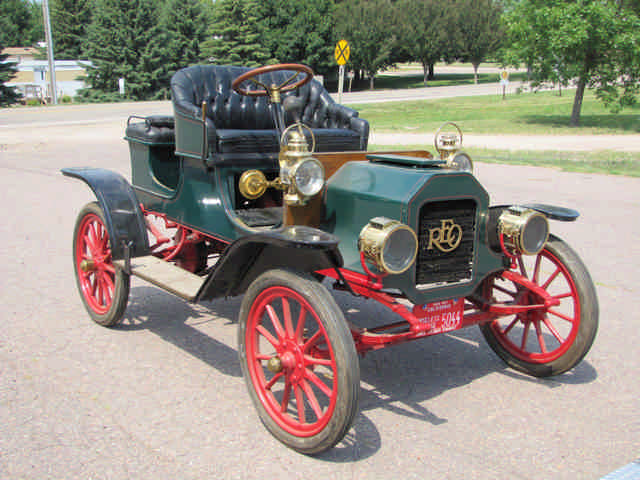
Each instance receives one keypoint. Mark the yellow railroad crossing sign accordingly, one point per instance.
(342, 52)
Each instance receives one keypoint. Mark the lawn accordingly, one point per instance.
(541, 113)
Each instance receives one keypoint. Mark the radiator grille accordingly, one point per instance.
(434, 266)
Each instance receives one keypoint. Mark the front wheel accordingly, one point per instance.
(298, 360)
(104, 289)
(545, 342)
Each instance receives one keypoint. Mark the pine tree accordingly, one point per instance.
(8, 95)
(69, 20)
(120, 44)
(235, 36)
(183, 25)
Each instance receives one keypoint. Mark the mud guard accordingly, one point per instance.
(299, 248)
(123, 217)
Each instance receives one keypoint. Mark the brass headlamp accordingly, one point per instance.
(523, 230)
(301, 175)
(390, 245)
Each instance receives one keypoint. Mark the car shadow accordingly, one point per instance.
(175, 321)
(399, 379)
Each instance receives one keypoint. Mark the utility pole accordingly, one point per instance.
(49, 39)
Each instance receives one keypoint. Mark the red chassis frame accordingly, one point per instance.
(412, 326)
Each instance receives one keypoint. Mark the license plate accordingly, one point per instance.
(443, 316)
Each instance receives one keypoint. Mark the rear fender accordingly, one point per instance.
(303, 249)
(123, 217)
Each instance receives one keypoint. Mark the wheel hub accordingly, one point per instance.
(88, 265)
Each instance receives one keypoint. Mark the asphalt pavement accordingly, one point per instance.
(161, 396)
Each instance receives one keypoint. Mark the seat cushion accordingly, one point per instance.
(249, 141)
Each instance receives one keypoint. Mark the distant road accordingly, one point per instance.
(103, 113)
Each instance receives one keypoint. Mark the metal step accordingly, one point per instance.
(165, 275)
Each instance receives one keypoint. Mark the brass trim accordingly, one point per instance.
(512, 224)
(374, 237)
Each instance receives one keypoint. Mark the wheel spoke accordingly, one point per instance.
(318, 383)
(285, 397)
(286, 313)
(551, 278)
(563, 295)
(275, 321)
(272, 382)
(553, 330)
(312, 341)
(510, 326)
(108, 267)
(523, 269)
(313, 401)
(309, 360)
(300, 326)
(266, 334)
(536, 269)
(543, 346)
(525, 335)
(300, 404)
(561, 315)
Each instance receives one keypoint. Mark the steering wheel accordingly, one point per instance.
(273, 91)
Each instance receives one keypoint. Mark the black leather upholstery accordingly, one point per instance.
(243, 124)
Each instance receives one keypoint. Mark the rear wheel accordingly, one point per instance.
(298, 360)
(104, 289)
(544, 342)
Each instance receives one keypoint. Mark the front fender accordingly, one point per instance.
(303, 249)
(123, 217)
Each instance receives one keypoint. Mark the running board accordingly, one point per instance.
(165, 275)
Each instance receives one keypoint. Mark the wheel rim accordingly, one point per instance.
(541, 335)
(291, 361)
(96, 273)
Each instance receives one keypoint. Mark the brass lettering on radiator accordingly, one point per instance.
(446, 237)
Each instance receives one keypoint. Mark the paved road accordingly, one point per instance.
(161, 396)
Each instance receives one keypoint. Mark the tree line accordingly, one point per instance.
(592, 42)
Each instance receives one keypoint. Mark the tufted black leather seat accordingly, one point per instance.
(238, 124)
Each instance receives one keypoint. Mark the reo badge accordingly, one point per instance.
(446, 237)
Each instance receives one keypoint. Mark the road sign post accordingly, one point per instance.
(504, 81)
(341, 54)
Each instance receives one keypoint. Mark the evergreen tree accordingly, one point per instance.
(8, 95)
(15, 23)
(69, 20)
(301, 31)
(235, 34)
(120, 44)
(183, 25)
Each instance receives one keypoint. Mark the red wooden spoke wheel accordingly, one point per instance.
(299, 361)
(103, 288)
(552, 340)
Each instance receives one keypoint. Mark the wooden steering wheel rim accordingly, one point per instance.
(272, 68)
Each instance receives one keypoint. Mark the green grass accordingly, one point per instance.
(604, 162)
(542, 113)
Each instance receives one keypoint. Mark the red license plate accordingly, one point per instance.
(443, 316)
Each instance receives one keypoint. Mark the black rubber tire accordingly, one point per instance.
(347, 369)
(121, 280)
(588, 319)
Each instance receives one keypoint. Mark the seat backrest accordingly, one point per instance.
(230, 110)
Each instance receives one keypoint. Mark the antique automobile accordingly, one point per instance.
(261, 185)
